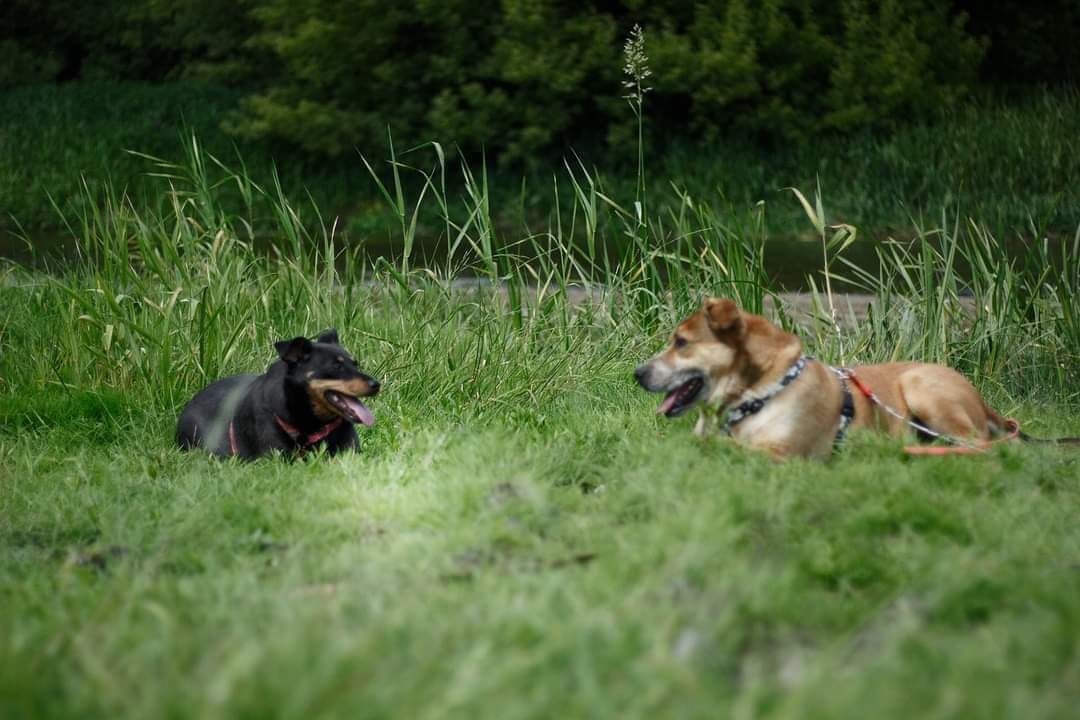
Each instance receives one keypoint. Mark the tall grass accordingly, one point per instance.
(163, 299)
(955, 295)
(58, 141)
(1010, 164)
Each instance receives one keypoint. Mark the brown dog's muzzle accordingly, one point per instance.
(682, 388)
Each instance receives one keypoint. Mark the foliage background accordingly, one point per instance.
(518, 77)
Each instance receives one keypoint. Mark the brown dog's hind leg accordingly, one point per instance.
(945, 402)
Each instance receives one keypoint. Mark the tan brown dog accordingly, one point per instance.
(782, 402)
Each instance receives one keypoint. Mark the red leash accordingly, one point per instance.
(957, 447)
(1012, 431)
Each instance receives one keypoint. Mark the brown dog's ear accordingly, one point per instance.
(329, 336)
(723, 314)
(294, 350)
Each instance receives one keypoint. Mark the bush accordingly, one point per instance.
(530, 75)
(1030, 40)
(898, 59)
(139, 40)
(518, 76)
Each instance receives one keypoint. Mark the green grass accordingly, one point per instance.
(1007, 163)
(600, 565)
(520, 535)
(56, 138)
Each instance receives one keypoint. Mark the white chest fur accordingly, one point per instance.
(787, 423)
(776, 422)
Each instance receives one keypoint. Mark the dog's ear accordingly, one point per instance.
(329, 336)
(294, 350)
(723, 314)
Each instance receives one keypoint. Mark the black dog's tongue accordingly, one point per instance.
(358, 410)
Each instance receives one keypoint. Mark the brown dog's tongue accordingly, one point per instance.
(669, 402)
(360, 411)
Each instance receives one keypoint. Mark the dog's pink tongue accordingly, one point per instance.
(669, 402)
(360, 411)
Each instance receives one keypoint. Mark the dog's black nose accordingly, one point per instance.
(373, 386)
(640, 374)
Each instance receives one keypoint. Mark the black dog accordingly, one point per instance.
(309, 396)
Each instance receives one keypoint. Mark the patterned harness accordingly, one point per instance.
(753, 405)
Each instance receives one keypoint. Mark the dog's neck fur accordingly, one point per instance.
(762, 360)
(297, 411)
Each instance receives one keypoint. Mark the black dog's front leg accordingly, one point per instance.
(343, 439)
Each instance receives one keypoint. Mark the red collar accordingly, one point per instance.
(308, 440)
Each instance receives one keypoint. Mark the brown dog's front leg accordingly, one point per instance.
(705, 423)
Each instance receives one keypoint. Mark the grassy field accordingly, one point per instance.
(520, 535)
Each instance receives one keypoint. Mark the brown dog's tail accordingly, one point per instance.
(1005, 428)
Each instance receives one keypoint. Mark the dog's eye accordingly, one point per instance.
(680, 342)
